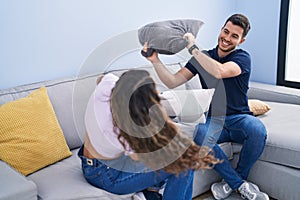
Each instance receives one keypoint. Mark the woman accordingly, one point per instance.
(131, 144)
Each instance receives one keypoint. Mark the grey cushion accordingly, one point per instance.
(14, 185)
(64, 180)
(282, 124)
(166, 37)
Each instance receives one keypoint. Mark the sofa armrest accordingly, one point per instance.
(274, 93)
(14, 185)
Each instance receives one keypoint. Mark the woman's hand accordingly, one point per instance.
(99, 79)
(134, 156)
(190, 38)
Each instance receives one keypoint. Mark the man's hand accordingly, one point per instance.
(190, 38)
(154, 57)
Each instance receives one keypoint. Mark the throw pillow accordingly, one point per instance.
(258, 107)
(189, 106)
(30, 135)
(166, 37)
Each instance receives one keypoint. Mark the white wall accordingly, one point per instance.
(42, 40)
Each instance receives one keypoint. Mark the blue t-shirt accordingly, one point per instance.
(230, 95)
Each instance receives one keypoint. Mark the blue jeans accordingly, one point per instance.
(243, 129)
(116, 181)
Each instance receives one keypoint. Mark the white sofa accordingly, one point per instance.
(277, 172)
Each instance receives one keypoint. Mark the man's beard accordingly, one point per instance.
(225, 50)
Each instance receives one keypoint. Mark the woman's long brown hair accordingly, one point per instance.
(145, 126)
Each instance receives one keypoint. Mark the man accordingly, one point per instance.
(227, 69)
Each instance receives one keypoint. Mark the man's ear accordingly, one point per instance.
(242, 40)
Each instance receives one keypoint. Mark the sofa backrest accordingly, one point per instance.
(275, 93)
(60, 94)
(69, 98)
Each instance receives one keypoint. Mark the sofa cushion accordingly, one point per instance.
(283, 134)
(10, 179)
(30, 135)
(282, 124)
(64, 180)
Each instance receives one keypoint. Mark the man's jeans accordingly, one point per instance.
(243, 129)
(116, 181)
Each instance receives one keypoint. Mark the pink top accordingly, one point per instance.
(99, 123)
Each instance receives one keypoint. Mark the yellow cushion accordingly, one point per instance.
(258, 107)
(30, 135)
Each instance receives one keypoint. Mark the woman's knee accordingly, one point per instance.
(199, 134)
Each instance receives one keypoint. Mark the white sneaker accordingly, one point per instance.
(249, 192)
(255, 187)
(222, 190)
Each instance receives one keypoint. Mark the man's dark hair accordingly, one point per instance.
(240, 20)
